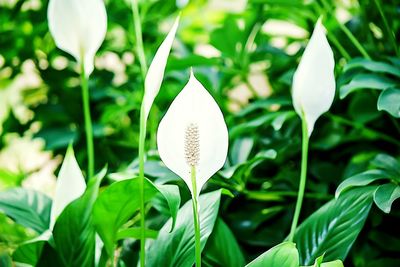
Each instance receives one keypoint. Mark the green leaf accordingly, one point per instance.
(385, 195)
(366, 81)
(74, 232)
(177, 248)
(374, 66)
(116, 205)
(27, 207)
(361, 179)
(334, 227)
(134, 233)
(387, 163)
(170, 194)
(30, 251)
(284, 254)
(389, 100)
(336, 263)
(222, 248)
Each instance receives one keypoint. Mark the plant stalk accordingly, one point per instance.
(196, 218)
(88, 121)
(142, 138)
(303, 178)
(139, 38)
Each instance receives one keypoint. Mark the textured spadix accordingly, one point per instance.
(70, 185)
(193, 133)
(314, 80)
(78, 28)
(155, 74)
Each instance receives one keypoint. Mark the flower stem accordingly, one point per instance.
(392, 36)
(142, 138)
(303, 178)
(196, 218)
(139, 38)
(88, 121)
(346, 31)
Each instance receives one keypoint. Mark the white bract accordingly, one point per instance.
(193, 133)
(155, 74)
(314, 80)
(78, 28)
(70, 186)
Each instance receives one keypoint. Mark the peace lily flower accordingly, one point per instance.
(70, 185)
(314, 81)
(78, 28)
(313, 93)
(193, 135)
(155, 74)
(192, 141)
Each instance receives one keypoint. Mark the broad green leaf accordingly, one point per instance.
(319, 263)
(27, 207)
(74, 232)
(222, 248)
(385, 195)
(170, 195)
(284, 254)
(30, 251)
(366, 81)
(389, 100)
(116, 205)
(177, 248)
(336, 263)
(334, 227)
(374, 66)
(134, 233)
(5, 260)
(387, 163)
(361, 179)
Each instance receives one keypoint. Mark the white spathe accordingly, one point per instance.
(155, 74)
(193, 106)
(78, 28)
(70, 185)
(314, 81)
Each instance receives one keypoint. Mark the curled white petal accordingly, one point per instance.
(155, 74)
(193, 114)
(78, 28)
(70, 186)
(314, 80)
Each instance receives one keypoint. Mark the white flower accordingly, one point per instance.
(314, 80)
(70, 186)
(78, 28)
(193, 133)
(155, 74)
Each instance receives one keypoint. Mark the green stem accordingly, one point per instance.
(367, 130)
(391, 33)
(139, 38)
(88, 121)
(196, 218)
(347, 32)
(303, 178)
(142, 138)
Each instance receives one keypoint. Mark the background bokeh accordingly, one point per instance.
(245, 53)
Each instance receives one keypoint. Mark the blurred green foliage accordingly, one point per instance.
(246, 58)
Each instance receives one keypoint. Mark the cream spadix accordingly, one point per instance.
(314, 81)
(70, 185)
(193, 134)
(155, 74)
(78, 28)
